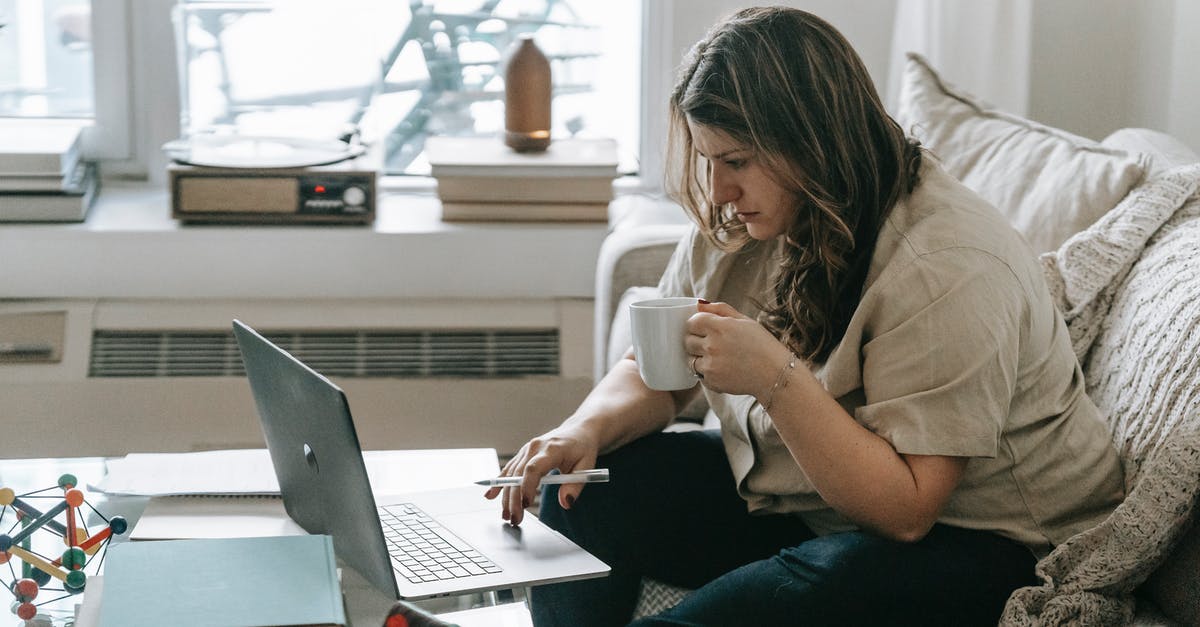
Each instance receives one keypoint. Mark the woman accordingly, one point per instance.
(904, 427)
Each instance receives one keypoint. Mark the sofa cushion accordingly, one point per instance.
(1049, 183)
(1164, 151)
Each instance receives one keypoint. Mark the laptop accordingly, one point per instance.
(415, 546)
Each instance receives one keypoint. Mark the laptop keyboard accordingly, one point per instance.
(423, 550)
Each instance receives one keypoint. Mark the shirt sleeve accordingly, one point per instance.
(940, 372)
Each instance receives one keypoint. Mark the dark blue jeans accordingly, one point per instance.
(671, 513)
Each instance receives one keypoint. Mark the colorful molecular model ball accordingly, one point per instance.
(64, 519)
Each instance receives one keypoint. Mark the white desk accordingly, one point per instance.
(365, 606)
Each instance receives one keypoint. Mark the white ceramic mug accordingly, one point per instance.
(658, 328)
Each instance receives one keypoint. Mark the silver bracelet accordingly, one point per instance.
(780, 381)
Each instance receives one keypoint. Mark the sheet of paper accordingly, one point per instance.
(237, 471)
(88, 614)
(419, 470)
(178, 517)
(249, 471)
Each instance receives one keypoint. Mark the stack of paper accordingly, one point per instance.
(214, 494)
(250, 472)
(480, 178)
(226, 472)
(42, 177)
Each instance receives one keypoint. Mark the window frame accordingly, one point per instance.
(135, 118)
(658, 77)
(110, 137)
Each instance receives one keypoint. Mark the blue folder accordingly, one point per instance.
(227, 582)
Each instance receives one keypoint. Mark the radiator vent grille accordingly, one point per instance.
(481, 353)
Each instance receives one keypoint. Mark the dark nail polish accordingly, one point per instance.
(570, 501)
(525, 502)
(505, 515)
(703, 302)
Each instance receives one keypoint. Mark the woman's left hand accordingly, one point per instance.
(733, 354)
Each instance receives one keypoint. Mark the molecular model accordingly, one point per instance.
(37, 569)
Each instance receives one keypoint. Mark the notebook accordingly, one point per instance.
(412, 546)
(252, 582)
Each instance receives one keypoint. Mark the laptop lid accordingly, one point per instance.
(315, 450)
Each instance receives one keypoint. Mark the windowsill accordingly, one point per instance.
(130, 247)
(624, 184)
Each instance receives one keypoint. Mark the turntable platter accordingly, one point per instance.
(235, 151)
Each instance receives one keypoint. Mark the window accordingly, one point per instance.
(392, 71)
(68, 59)
(46, 50)
(396, 73)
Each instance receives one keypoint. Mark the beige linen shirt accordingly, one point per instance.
(955, 349)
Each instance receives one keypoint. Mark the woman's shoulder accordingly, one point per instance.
(942, 224)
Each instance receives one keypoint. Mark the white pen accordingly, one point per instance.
(598, 475)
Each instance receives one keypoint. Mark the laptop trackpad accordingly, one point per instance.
(497, 538)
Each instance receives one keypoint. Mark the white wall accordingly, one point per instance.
(1101, 65)
(1183, 93)
(1098, 65)
(866, 23)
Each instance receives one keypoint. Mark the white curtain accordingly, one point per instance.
(982, 46)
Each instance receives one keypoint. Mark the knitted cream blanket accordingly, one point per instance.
(1129, 288)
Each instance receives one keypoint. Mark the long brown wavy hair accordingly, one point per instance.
(787, 84)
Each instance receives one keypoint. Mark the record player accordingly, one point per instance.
(256, 180)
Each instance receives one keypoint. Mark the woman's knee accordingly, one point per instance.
(644, 491)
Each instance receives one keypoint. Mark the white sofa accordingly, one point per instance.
(1117, 224)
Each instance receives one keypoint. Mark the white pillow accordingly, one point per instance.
(1165, 152)
(1049, 183)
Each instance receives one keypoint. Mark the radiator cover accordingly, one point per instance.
(473, 353)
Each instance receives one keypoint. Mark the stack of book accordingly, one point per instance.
(42, 177)
(480, 178)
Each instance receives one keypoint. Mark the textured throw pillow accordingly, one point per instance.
(1049, 183)
(1144, 373)
(1143, 370)
(1086, 271)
